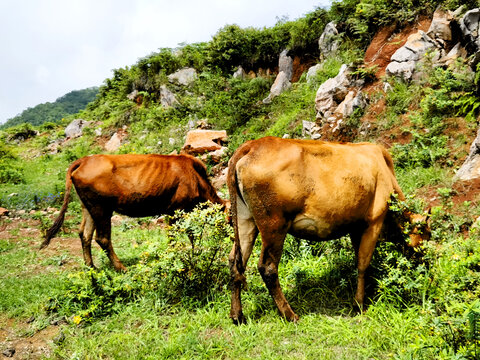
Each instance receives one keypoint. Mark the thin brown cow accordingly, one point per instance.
(133, 185)
(314, 190)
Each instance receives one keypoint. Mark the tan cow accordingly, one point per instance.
(313, 190)
(133, 185)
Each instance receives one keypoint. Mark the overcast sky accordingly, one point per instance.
(51, 47)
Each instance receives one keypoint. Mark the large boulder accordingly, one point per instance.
(185, 76)
(167, 98)
(471, 167)
(75, 128)
(354, 100)
(114, 143)
(440, 28)
(285, 64)
(404, 60)
(202, 141)
(280, 84)
(312, 73)
(331, 93)
(240, 73)
(329, 41)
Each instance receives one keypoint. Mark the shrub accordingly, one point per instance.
(189, 265)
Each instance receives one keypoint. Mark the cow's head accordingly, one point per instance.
(417, 227)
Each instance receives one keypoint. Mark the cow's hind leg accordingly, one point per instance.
(103, 227)
(247, 233)
(272, 247)
(364, 251)
(86, 233)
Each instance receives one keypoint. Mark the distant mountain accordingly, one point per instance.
(68, 104)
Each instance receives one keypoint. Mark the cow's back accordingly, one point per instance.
(141, 185)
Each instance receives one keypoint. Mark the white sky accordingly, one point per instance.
(51, 47)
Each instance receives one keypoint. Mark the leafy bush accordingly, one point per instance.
(188, 265)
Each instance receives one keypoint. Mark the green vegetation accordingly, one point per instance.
(174, 300)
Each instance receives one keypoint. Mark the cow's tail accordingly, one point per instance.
(396, 187)
(236, 266)
(61, 217)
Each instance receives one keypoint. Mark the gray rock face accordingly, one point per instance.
(75, 128)
(280, 85)
(285, 64)
(312, 73)
(183, 77)
(328, 43)
(404, 60)
(440, 29)
(167, 98)
(354, 100)
(471, 167)
(240, 73)
(331, 93)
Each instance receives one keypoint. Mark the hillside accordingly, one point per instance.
(64, 106)
(401, 74)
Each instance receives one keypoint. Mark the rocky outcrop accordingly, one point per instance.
(285, 64)
(75, 128)
(471, 167)
(167, 98)
(240, 73)
(329, 41)
(114, 143)
(312, 73)
(405, 59)
(184, 77)
(202, 141)
(280, 84)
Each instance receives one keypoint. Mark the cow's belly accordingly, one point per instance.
(311, 228)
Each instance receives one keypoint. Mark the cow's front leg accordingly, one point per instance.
(272, 247)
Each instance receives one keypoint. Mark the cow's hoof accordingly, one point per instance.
(238, 319)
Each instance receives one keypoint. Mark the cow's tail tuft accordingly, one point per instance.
(57, 224)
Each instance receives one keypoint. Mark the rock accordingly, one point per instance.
(75, 128)
(402, 70)
(280, 85)
(471, 167)
(133, 95)
(98, 131)
(9, 352)
(312, 73)
(354, 100)
(458, 51)
(215, 156)
(167, 98)
(221, 179)
(332, 92)
(201, 141)
(309, 129)
(183, 77)
(285, 64)
(4, 212)
(404, 60)
(329, 41)
(114, 143)
(440, 26)
(240, 73)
